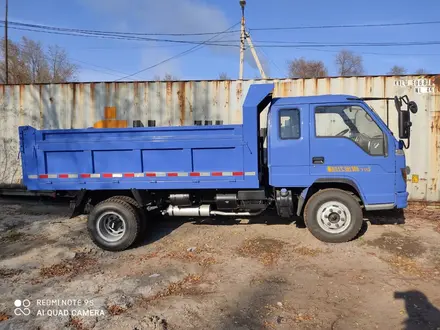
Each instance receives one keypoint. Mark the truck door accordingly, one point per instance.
(347, 145)
(288, 145)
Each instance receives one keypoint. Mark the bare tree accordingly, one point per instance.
(397, 70)
(166, 77)
(421, 71)
(30, 63)
(34, 59)
(301, 68)
(60, 67)
(223, 76)
(349, 64)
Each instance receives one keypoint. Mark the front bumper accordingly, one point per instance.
(402, 200)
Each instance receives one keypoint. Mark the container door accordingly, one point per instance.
(288, 147)
(347, 143)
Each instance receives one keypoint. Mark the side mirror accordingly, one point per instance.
(404, 124)
(412, 106)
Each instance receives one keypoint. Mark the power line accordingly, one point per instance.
(116, 37)
(345, 26)
(272, 44)
(118, 33)
(176, 56)
(85, 31)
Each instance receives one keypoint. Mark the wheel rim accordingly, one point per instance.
(111, 226)
(334, 217)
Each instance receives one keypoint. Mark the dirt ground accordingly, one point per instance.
(211, 274)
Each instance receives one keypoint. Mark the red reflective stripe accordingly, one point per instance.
(128, 175)
(172, 174)
(63, 176)
(85, 175)
(216, 173)
(194, 174)
(44, 176)
(107, 175)
(237, 173)
(150, 174)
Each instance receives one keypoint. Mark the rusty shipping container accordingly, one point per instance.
(80, 105)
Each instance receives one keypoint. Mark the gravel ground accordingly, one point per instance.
(266, 274)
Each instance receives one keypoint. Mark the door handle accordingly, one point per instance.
(318, 160)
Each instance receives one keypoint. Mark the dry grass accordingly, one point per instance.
(76, 323)
(186, 286)
(79, 264)
(13, 236)
(7, 272)
(115, 310)
(4, 317)
(267, 251)
(196, 256)
(308, 252)
(405, 265)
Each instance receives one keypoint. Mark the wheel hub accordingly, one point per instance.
(111, 226)
(334, 217)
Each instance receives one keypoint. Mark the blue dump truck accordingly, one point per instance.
(324, 158)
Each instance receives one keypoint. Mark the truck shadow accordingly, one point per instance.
(165, 226)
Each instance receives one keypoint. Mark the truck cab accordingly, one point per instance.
(336, 139)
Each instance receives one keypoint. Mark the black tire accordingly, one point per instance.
(139, 210)
(125, 211)
(339, 197)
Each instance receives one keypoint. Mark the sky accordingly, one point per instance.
(109, 60)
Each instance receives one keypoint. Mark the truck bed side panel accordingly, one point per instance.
(193, 157)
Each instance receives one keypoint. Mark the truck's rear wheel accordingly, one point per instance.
(140, 211)
(333, 216)
(114, 225)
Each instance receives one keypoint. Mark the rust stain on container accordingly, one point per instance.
(227, 91)
(73, 116)
(181, 97)
(169, 90)
(191, 89)
(327, 85)
(436, 82)
(107, 94)
(435, 144)
(316, 86)
(284, 89)
(41, 106)
(21, 111)
(92, 102)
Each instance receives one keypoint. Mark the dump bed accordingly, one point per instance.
(192, 157)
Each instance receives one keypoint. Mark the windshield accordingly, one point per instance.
(353, 122)
(379, 119)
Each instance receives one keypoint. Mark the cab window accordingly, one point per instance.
(351, 122)
(289, 123)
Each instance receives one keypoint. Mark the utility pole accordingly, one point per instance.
(242, 38)
(6, 45)
(255, 55)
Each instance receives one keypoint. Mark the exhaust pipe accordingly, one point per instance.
(238, 214)
(176, 211)
(203, 211)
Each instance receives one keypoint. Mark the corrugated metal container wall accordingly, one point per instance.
(181, 103)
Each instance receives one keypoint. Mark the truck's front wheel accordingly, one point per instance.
(114, 225)
(333, 216)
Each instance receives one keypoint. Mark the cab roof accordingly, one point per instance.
(333, 98)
